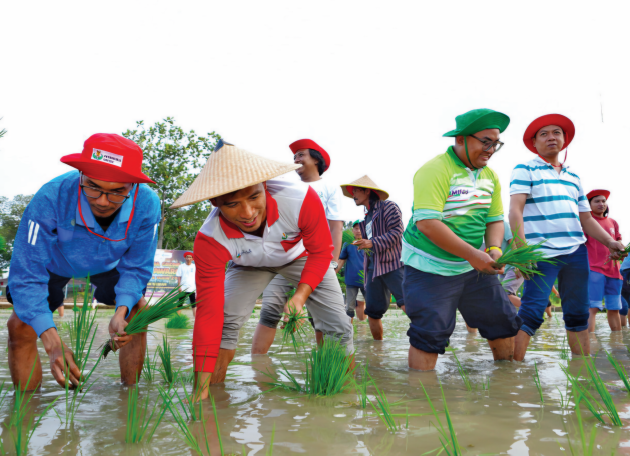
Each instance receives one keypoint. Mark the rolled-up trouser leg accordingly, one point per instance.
(325, 304)
(242, 288)
(275, 297)
(351, 300)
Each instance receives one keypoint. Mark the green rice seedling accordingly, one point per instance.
(621, 371)
(564, 349)
(186, 376)
(3, 395)
(269, 452)
(167, 305)
(485, 384)
(164, 352)
(587, 398)
(451, 448)
(139, 419)
(604, 394)
(293, 330)
(362, 387)
(83, 328)
(586, 450)
(462, 372)
(183, 429)
(383, 411)
(149, 368)
(537, 382)
(525, 257)
(178, 321)
(347, 237)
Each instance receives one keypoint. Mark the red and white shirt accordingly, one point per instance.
(296, 227)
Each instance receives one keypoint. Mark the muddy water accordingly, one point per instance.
(507, 419)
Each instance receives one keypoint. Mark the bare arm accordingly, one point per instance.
(595, 230)
(443, 237)
(495, 232)
(340, 265)
(179, 281)
(336, 230)
(517, 205)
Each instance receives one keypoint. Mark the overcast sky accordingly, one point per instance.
(375, 83)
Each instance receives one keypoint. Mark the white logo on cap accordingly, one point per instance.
(107, 157)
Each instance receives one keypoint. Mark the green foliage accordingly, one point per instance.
(525, 257)
(10, 216)
(178, 321)
(347, 237)
(139, 419)
(164, 352)
(621, 371)
(451, 448)
(173, 158)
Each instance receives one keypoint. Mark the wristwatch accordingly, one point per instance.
(334, 264)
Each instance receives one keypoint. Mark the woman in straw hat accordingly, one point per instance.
(265, 227)
(98, 221)
(381, 233)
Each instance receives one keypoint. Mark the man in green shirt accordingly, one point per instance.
(457, 204)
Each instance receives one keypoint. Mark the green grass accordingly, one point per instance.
(164, 352)
(167, 306)
(178, 321)
(450, 444)
(537, 382)
(621, 371)
(139, 419)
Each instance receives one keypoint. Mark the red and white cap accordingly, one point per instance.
(310, 144)
(110, 158)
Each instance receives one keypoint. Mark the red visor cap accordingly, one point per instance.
(188, 253)
(110, 158)
(310, 144)
(550, 119)
(594, 193)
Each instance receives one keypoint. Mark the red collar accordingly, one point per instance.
(233, 232)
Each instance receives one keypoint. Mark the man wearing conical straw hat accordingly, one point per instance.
(457, 204)
(548, 203)
(264, 227)
(381, 233)
(315, 162)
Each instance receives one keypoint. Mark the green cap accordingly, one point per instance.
(477, 120)
(356, 222)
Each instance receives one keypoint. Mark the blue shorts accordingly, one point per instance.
(431, 302)
(601, 287)
(378, 291)
(105, 284)
(572, 271)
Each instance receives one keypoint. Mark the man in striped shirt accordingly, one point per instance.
(381, 233)
(547, 203)
(457, 203)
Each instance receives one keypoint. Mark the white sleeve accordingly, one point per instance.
(333, 204)
(179, 271)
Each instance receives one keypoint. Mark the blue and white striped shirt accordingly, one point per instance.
(552, 208)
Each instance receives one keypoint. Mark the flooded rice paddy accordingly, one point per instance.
(504, 417)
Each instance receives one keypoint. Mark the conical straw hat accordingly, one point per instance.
(230, 169)
(364, 182)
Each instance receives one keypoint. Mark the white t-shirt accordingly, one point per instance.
(187, 274)
(331, 198)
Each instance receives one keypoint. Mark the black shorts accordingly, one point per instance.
(105, 282)
(191, 298)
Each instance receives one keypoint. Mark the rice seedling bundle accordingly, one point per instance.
(164, 352)
(525, 257)
(347, 237)
(167, 306)
(178, 321)
(621, 371)
(294, 328)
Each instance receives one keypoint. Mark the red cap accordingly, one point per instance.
(310, 144)
(188, 253)
(550, 119)
(594, 193)
(110, 158)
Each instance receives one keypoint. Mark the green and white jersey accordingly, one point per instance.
(463, 199)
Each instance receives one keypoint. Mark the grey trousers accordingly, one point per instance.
(243, 285)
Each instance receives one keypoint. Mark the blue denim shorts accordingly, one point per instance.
(601, 287)
(572, 271)
(431, 302)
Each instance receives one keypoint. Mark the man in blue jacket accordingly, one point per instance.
(99, 222)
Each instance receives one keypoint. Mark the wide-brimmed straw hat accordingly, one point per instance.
(230, 169)
(364, 182)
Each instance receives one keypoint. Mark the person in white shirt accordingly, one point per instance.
(186, 279)
(315, 161)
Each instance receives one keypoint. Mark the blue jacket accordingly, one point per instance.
(52, 237)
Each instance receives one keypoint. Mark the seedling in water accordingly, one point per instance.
(621, 371)
(164, 352)
(139, 419)
(451, 447)
(537, 382)
(462, 372)
(178, 321)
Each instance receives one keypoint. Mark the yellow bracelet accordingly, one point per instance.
(494, 247)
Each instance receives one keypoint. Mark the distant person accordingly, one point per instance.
(604, 280)
(315, 162)
(456, 206)
(186, 279)
(381, 235)
(101, 221)
(548, 203)
(625, 292)
(353, 258)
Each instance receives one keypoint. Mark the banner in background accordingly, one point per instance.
(165, 266)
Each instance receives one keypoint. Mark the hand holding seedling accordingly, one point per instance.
(363, 244)
(117, 327)
(56, 353)
(486, 263)
(617, 250)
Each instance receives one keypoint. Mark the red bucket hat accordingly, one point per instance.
(310, 144)
(188, 253)
(110, 158)
(550, 119)
(594, 193)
